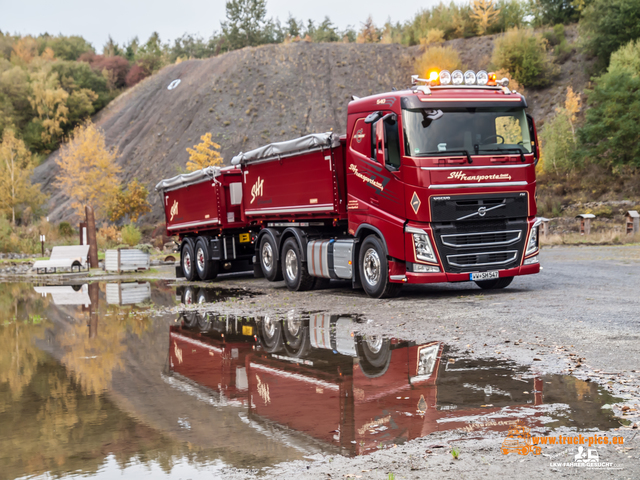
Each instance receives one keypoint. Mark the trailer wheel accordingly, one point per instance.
(374, 270)
(267, 258)
(207, 269)
(495, 284)
(186, 262)
(294, 270)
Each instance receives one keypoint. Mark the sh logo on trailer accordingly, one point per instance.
(257, 189)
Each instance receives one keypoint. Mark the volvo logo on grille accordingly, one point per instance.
(482, 211)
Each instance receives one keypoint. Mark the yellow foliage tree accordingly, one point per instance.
(437, 58)
(369, 33)
(16, 167)
(25, 49)
(485, 14)
(131, 201)
(572, 106)
(88, 170)
(434, 35)
(204, 154)
(49, 100)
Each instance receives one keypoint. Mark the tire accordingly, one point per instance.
(271, 334)
(374, 270)
(186, 262)
(495, 284)
(271, 268)
(374, 355)
(189, 296)
(296, 335)
(294, 270)
(206, 268)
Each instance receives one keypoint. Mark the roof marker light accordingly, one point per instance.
(482, 78)
(492, 79)
(457, 77)
(445, 77)
(469, 77)
(433, 76)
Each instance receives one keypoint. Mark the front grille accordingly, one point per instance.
(497, 259)
(473, 208)
(481, 245)
(460, 240)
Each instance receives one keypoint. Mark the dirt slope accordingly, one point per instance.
(259, 95)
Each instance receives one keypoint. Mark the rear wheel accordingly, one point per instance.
(294, 270)
(495, 284)
(186, 262)
(267, 258)
(374, 270)
(207, 269)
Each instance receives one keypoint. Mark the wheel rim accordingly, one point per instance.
(267, 256)
(293, 326)
(188, 297)
(291, 264)
(186, 264)
(374, 342)
(269, 327)
(371, 267)
(200, 259)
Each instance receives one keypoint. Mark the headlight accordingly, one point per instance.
(427, 358)
(422, 244)
(482, 78)
(457, 77)
(532, 243)
(469, 77)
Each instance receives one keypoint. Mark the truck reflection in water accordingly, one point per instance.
(345, 392)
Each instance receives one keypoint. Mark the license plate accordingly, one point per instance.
(484, 275)
(245, 237)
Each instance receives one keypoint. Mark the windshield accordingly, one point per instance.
(475, 130)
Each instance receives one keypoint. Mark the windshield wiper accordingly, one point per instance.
(507, 150)
(442, 153)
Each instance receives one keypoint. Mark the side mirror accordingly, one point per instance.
(381, 143)
(533, 133)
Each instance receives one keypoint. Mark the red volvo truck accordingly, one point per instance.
(435, 183)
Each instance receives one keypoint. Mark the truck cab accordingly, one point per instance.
(444, 175)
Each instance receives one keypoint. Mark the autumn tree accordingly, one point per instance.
(559, 136)
(16, 167)
(25, 49)
(88, 170)
(485, 14)
(49, 100)
(368, 33)
(131, 201)
(204, 154)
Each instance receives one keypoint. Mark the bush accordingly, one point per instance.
(627, 57)
(65, 229)
(437, 58)
(131, 235)
(136, 74)
(609, 24)
(557, 145)
(523, 53)
(435, 35)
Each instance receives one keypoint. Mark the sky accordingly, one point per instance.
(125, 19)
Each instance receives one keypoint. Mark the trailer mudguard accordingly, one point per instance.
(301, 238)
(275, 236)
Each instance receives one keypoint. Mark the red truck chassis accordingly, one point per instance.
(431, 184)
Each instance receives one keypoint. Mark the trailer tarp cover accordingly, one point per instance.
(192, 178)
(281, 149)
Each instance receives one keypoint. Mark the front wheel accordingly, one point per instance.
(294, 270)
(495, 284)
(374, 269)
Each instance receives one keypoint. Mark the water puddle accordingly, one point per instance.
(102, 379)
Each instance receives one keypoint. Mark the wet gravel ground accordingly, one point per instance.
(579, 316)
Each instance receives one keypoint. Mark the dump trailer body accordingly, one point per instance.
(301, 178)
(202, 200)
